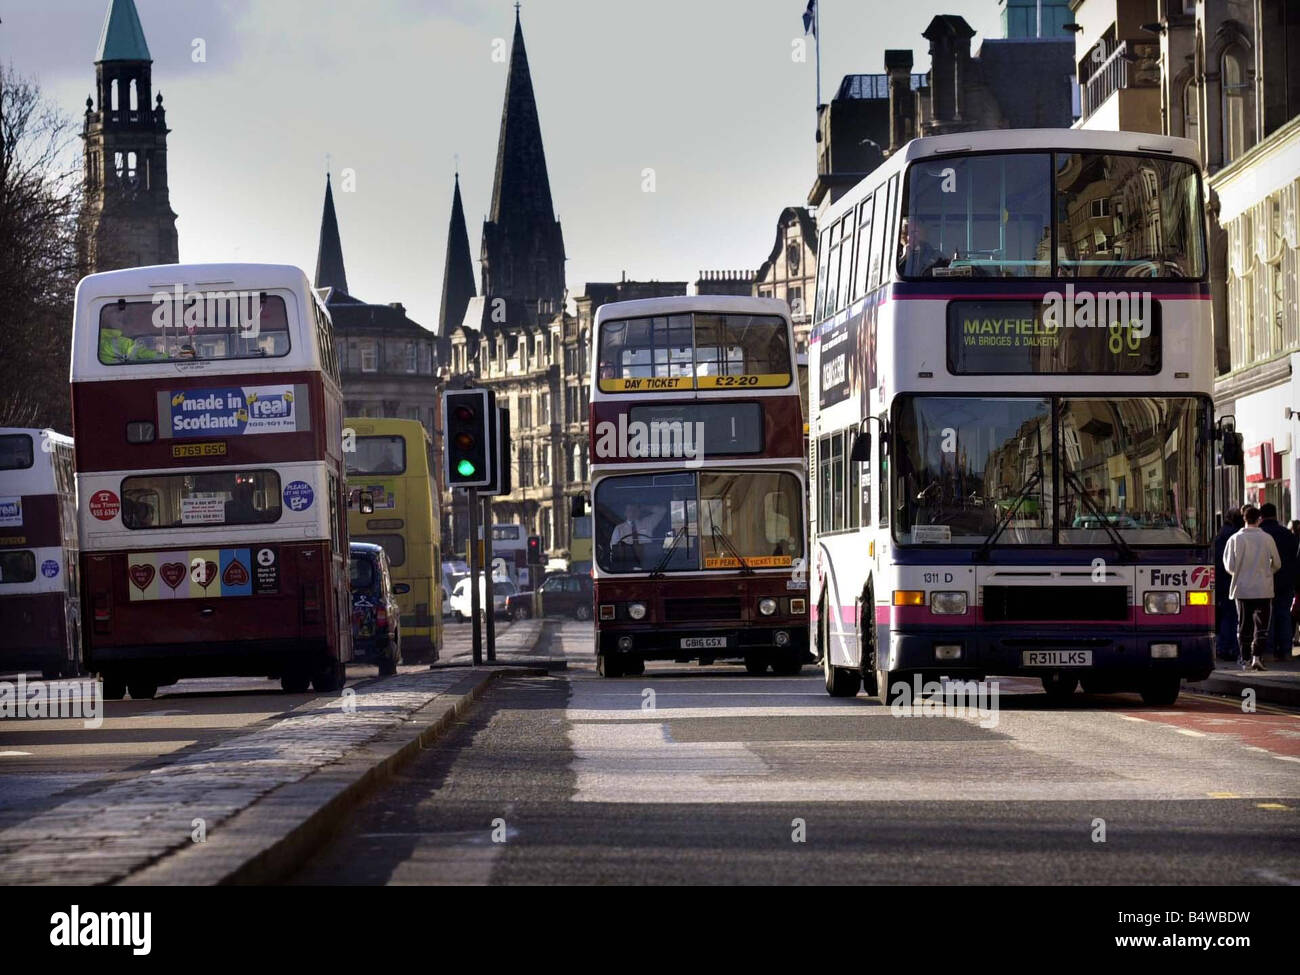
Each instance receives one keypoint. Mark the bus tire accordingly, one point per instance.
(840, 681)
(756, 666)
(1058, 687)
(142, 690)
(633, 667)
(886, 679)
(331, 677)
(294, 682)
(51, 673)
(609, 665)
(1161, 691)
(582, 613)
(114, 687)
(387, 666)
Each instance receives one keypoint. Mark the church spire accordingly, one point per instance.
(329, 256)
(523, 248)
(458, 271)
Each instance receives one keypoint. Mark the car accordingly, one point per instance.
(461, 606)
(376, 617)
(562, 594)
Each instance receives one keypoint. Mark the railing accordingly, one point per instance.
(1130, 65)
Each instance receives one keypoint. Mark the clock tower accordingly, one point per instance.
(127, 219)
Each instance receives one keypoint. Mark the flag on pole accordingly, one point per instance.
(810, 18)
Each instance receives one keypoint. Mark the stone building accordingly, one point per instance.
(507, 338)
(1228, 78)
(790, 271)
(126, 218)
(725, 283)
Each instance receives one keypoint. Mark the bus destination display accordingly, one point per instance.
(1112, 336)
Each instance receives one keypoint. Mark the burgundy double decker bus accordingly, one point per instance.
(697, 469)
(208, 414)
(39, 607)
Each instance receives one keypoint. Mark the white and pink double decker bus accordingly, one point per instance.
(1011, 430)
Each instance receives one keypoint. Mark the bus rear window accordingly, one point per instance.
(17, 566)
(201, 325)
(394, 547)
(378, 455)
(16, 452)
(185, 500)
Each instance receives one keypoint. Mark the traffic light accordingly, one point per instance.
(468, 424)
(534, 549)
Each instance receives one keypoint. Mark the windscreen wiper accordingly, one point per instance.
(718, 535)
(663, 562)
(1125, 552)
(1022, 495)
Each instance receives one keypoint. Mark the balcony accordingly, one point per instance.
(1128, 66)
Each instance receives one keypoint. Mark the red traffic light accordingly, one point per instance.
(464, 413)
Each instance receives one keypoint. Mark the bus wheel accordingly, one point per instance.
(609, 665)
(388, 666)
(840, 681)
(1161, 691)
(330, 677)
(294, 682)
(1059, 687)
(114, 687)
(634, 667)
(886, 679)
(756, 666)
(582, 613)
(51, 673)
(142, 690)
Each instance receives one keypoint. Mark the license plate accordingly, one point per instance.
(1056, 658)
(704, 642)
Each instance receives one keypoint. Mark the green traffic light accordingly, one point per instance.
(465, 468)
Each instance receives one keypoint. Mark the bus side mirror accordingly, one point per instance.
(861, 453)
(578, 506)
(1232, 452)
(366, 503)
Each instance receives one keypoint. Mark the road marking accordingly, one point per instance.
(1286, 758)
(1190, 733)
(13, 754)
(1277, 878)
(1224, 795)
(1271, 805)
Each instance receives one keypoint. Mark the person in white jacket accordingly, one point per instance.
(1251, 558)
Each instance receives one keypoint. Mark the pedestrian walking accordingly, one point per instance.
(1252, 559)
(1225, 610)
(1281, 632)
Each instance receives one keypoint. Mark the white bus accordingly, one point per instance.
(1011, 433)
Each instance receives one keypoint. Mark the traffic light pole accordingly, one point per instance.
(491, 580)
(471, 497)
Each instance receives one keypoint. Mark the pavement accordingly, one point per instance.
(1279, 684)
(234, 806)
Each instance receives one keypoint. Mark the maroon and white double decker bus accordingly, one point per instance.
(40, 614)
(208, 416)
(697, 469)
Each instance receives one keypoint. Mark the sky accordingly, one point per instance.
(707, 93)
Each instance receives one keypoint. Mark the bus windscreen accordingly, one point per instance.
(700, 351)
(1065, 214)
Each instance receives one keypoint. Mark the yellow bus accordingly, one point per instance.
(389, 460)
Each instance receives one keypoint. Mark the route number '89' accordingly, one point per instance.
(1124, 335)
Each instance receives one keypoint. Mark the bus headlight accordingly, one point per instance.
(1162, 603)
(636, 610)
(767, 605)
(948, 603)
